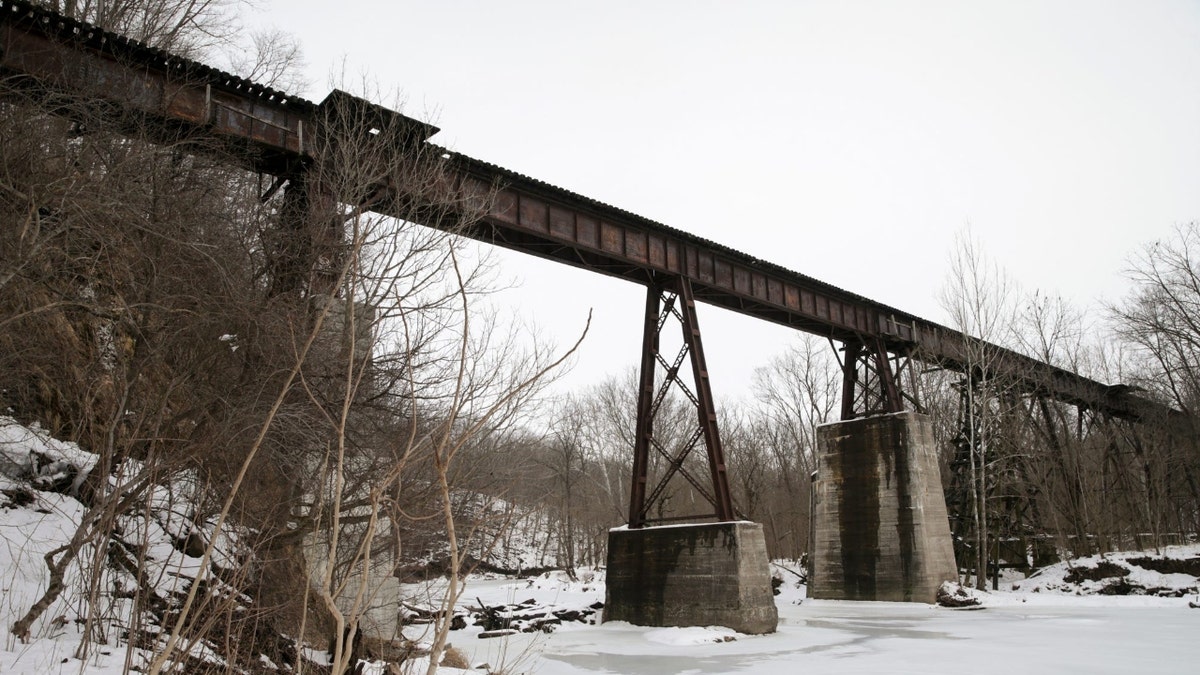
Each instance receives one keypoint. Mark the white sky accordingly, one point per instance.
(846, 140)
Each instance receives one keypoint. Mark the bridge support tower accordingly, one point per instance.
(879, 524)
(684, 572)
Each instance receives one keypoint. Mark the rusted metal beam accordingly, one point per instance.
(870, 380)
(71, 64)
(79, 66)
(850, 378)
(644, 431)
(706, 408)
(672, 299)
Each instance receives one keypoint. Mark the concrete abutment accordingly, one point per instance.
(880, 530)
(710, 574)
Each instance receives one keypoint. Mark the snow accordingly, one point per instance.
(1052, 580)
(20, 445)
(690, 635)
(1016, 632)
(1044, 624)
(622, 528)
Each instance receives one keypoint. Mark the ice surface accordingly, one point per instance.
(1017, 632)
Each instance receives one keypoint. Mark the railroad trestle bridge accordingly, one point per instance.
(880, 529)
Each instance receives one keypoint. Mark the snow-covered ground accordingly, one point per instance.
(1057, 621)
(1018, 631)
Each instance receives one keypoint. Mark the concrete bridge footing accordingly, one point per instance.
(710, 574)
(880, 530)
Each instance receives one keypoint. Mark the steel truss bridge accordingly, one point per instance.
(66, 64)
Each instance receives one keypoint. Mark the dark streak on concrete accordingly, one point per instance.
(858, 513)
(879, 527)
(905, 528)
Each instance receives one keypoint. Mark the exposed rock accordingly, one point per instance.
(17, 497)
(1104, 569)
(952, 594)
(1169, 565)
(529, 617)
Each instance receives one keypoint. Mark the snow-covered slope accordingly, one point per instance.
(1170, 575)
(103, 594)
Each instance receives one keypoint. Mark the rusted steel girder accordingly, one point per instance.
(85, 70)
(308, 249)
(151, 92)
(873, 380)
(669, 300)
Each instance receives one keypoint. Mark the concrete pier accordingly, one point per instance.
(709, 574)
(880, 530)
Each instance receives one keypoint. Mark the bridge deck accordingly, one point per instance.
(140, 86)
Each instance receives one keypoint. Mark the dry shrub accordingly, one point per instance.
(454, 657)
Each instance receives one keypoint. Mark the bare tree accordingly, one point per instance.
(299, 359)
(568, 462)
(1161, 323)
(795, 392)
(979, 299)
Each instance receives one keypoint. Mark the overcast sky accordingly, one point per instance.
(846, 140)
